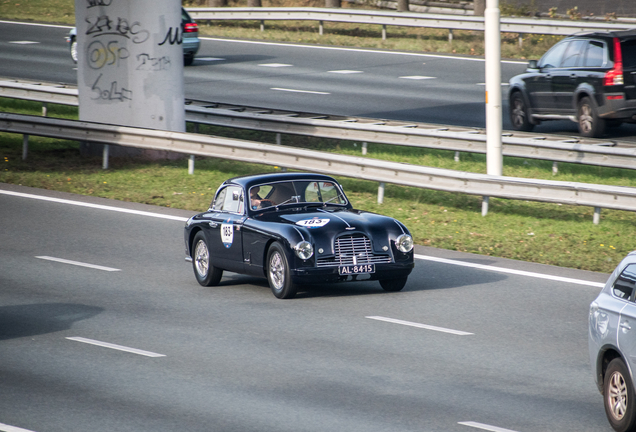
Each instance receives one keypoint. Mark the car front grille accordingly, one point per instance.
(353, 250)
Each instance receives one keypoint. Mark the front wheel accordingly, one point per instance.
(519, 114)
(74, 55)
(278, 273)
(590, 124)
(393, 285)
(204, 271)
(618, 393)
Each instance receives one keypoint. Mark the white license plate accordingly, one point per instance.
(356, 269)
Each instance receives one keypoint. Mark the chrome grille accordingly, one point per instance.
(353, 250)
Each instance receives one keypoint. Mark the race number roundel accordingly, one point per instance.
(313, 223)
(227, 234)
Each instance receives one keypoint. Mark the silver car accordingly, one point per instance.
(612, 344)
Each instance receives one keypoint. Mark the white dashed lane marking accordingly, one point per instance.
(485, 427)
(115, 347)
(419, 325)
(275, 65)
(417, 77)
(299, 91)
(77, 263)
(345, 72)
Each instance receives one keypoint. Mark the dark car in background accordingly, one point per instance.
(587, 78)
(295, 229)
(190, 39)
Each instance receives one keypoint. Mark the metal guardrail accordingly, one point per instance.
(525, 145)
(598, 196)
(407, 19)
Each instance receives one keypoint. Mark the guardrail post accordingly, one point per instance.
(597, 215)
(484, 205)
(45, 109)
(383, 31)
(456, 156)
(450, 35)
(320, 27)
(520, 40)
(364, 148)
(262, 25)
(555, 168)
(278, 139)
(25, 146)
(381, 193)
(191, 165)
(105, 156)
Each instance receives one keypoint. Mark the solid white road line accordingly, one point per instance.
(417, 77)
(36, 24)
(95, 206)
(503, 84)
(422, 326)
(368, 51)
(299, 91)
(510, 271)
(275, 65)
(115, 347)
(7, 428)
(485, 427)
(77, 263)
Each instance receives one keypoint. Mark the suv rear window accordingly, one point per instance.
(628, 49)
(595, 56)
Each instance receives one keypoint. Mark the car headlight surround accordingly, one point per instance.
(404, 243)
(304, 250)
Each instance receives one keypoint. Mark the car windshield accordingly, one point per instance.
(303, 192)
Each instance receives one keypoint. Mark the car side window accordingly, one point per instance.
(573, 54)
(552, 58)
(595, 55)
(229, 199)
(625, 283)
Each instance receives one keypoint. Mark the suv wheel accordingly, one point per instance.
(590, 124)
(618, 393)
(519, 114)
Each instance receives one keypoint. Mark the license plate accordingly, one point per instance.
(356, 269)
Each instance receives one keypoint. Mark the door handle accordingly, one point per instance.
(626, 326)
(213, 224)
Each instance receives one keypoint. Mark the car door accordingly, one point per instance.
(626, 338)
(224, 231)
(539, 85)
(567, 77)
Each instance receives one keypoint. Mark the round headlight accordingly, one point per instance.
(304, 250)
(404, 243)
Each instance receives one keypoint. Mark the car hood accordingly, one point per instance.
(325, 225)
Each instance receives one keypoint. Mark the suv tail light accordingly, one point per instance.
(193, 28)
(615, 76)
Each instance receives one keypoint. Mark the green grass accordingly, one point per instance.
(537, 232)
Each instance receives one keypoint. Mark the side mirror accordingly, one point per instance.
(532, 64)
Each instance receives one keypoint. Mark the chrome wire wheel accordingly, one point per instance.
(617, 396)
(277, 271)
(201, 259)
(74, 51)
(518, 113)
(586, 118)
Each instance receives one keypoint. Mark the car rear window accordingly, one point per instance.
(628, 49)
(595, 55)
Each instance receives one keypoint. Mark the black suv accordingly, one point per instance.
(587, 78)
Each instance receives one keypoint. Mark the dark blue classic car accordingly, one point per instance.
(295, 229)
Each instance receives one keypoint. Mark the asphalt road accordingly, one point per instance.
(235, 358)
(442, 89)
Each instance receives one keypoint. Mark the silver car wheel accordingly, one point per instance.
(519, 113)
(201, 259)
(277, 270)
(74, 51)
(617, 396)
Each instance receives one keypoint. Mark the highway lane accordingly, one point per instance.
(442, 89)
(237, 359)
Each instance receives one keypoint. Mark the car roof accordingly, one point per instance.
(256, 179)
(622, 34)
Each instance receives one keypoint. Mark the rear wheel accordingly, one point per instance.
(618, 393)
(393, 285)
(188, 59)
(204, 271)
(590, 124)
(278, 273)
(519, 114)
(74, 50)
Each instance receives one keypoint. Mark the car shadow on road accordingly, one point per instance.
(200, 60)
(35, 319)
(442, 114)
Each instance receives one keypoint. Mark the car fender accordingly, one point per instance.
(585, 90)
(518, 85)
(606, 354)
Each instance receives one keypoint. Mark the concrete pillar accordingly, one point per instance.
(130, 68)
(494, 156)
